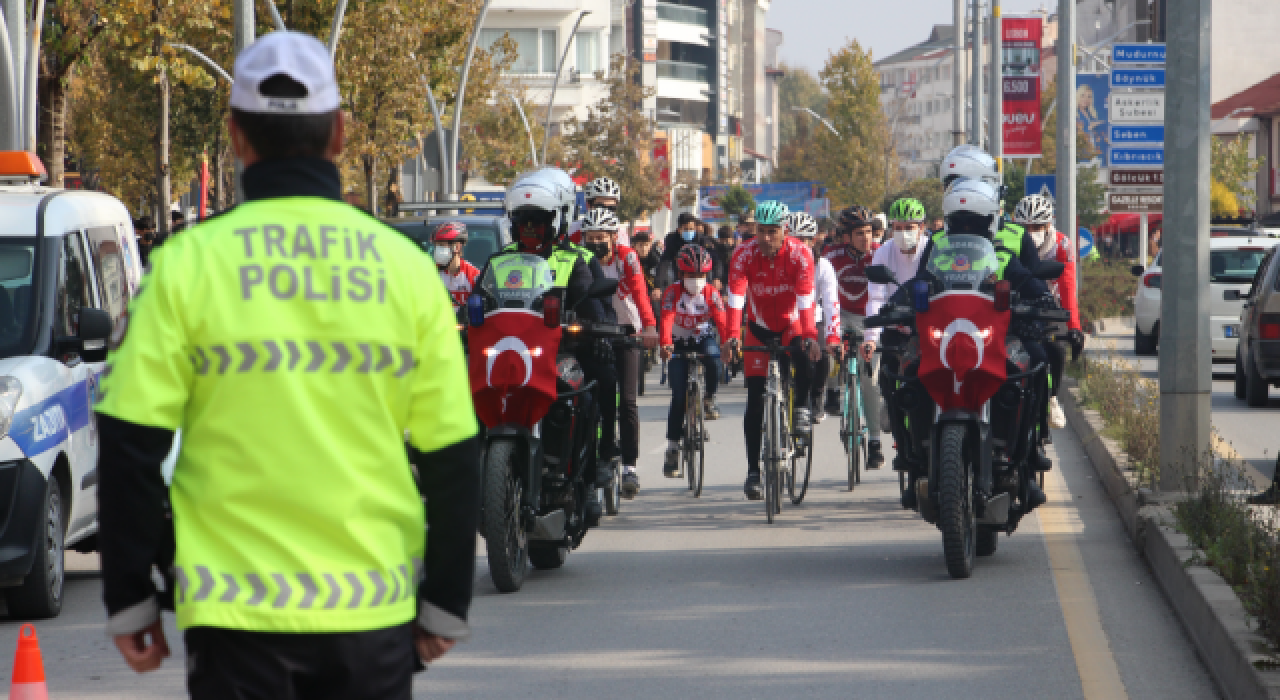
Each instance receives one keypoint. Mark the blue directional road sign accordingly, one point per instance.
(1136, 156)
(1137, 78)
(1137, 53)
(1086, 243)
(1146, 133)
(1046, 185)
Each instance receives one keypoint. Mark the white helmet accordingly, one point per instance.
(802, 225)
(534, 193)
(600, 219)
(1034, 209)
(972, 206)
(971, 162)
(566, 191)
(602, 187)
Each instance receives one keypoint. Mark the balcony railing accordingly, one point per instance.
(683, 14)
(683, 70)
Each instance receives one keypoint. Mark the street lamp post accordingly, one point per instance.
(461, 98)
(546, 136)
(1234, 112)
(533, 149)
(817, 116)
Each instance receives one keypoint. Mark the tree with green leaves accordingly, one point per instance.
(797, 88)
(1231, 166)
(736, 202)
(66, 41)
(928, 190)
(616, 140)
(1091, 197)
(851, 164)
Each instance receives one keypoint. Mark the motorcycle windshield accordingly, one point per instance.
(963, 262)
(517, 280)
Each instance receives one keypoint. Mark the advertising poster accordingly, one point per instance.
(796, 195)
(1020, 66)
(1093, 92)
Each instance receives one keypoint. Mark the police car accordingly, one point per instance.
(68, 267)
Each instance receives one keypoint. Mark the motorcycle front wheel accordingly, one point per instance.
(506, 542)
(957, 518)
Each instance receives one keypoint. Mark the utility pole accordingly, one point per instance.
(957, 75)
(975, 108)
(1066, 200)
(996, 122)
(1185, 380)
(243, 35)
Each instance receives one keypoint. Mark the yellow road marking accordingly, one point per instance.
(1059, 524)
(1223, 449)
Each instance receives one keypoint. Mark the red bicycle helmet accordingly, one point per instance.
(694, 258)
(450, 232)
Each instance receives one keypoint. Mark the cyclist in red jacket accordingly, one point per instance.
(458, 275)
(771, 278)
(850, 261)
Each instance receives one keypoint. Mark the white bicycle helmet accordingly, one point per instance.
(1034, 209)
(969, 161)
(602, 187)
(972, 206)
(802, 225)
(600, 219)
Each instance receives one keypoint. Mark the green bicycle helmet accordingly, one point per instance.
(907, 209)
(771, 212)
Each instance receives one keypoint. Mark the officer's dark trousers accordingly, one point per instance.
(227, 664)
(627, 370)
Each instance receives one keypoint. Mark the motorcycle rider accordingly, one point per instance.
(850, 261)
(969, 161)
(458, 275)
(972, 206)
(826, 312)
(633, 309)
(901, 254)
(1035, 214)
(691, 310)
(773, 275)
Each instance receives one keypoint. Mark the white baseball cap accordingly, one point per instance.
(293, 54)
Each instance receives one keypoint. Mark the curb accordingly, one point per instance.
(1207, 606)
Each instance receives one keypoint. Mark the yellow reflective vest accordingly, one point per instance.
(295, 341)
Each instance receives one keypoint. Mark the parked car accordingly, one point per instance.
(1233, 261)
(69, 265)
(1258, 353)
(487, 234)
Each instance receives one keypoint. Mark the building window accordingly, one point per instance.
(946, 72)
(588, 52)
(535, 48)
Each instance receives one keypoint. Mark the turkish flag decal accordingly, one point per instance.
(962, 357)
(512, 367)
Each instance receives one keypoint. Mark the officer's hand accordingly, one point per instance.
(649, 337)
(142, 654)
(1076, 338)
(815, 350)
(430, 646)
(868, 349)
(666, 352)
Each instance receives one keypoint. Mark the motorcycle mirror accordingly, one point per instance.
(551, 311)
(1003, 296)
(1049, 270)
(475, 310)
(881, 274)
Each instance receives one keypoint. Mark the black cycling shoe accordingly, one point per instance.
(875, 459)
(752, 486)
(671, 463)
(1039, 461)
(833, 403)
(908, 498)
(595, 509)
(1036, 497)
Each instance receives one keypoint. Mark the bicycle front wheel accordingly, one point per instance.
(801, 466)
(854, 442)
(768, 446)
(693, 439)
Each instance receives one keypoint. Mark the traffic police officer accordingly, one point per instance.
(296, 342)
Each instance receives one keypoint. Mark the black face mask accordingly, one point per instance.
(600, 250)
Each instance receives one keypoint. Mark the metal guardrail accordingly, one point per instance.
(683, 70)
(684, 14)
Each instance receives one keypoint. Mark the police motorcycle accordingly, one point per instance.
(539, 414)
(972, 403)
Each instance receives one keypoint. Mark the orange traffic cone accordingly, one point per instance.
(28, 668)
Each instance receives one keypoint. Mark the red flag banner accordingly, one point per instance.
(1020, 65)
(962, 356)
(512, 367)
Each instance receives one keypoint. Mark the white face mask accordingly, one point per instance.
(443, 255)
(907, 240)
(694, 287)
(1038, 237)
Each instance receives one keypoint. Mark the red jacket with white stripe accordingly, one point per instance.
(686, 316)
(632, 300)
(1064, 286)
(777, 293)
(461, 284)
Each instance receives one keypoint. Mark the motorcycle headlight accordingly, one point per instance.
(10, 394)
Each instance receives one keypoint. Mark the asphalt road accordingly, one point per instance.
(844, 596)
(1251, 432)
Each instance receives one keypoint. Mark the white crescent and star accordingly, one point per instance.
(957, 327)
(513, 344)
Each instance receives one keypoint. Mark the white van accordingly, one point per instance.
(69, 265)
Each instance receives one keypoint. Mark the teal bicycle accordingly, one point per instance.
(854, 433)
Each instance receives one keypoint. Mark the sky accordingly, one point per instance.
(811, 29)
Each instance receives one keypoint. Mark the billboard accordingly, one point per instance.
(1020, 68)
(796, 195)
(1093, 115)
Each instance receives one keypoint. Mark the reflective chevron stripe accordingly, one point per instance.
(300, 590)
(271, 356)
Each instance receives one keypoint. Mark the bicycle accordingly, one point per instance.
(854, 433)
(695, 426)
(779, 445)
